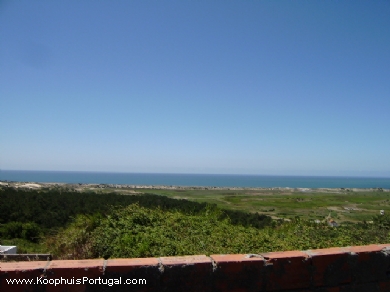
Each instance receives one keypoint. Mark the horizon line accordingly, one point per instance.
(194, 173)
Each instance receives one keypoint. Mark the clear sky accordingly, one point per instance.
(241, 87)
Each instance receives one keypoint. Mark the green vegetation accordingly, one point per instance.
(344, 204)
(53, 208)
(30, 216)
(135, 231)
(88, 224)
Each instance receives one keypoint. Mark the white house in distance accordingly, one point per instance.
(8, 249)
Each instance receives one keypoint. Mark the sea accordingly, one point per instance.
(199, 180)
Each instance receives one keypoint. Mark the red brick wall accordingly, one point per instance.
(358, 268)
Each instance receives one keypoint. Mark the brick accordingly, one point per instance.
(331, 266)
(371, 263)
(18, 271)
(238, 272)
(287, 270)
(186, 273)
(134, 269)
(384, 286)
(365, 248)
(124, 265)
(357, 268)
(22, 267)
(366, 287)
(386, 245)
(185, 260)
(72, 270)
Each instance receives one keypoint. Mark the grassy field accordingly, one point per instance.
(342, 205)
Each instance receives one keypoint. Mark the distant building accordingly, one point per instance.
(5, 249)
(332, 223)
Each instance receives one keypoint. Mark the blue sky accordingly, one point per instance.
(241, 87)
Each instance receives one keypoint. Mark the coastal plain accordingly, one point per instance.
(341, 204)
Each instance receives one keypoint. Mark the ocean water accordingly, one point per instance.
(206, 180)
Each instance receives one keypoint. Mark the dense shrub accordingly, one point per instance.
(382, 221)
(136, 231)
(88, 225)
(29, 231)
(54, 208)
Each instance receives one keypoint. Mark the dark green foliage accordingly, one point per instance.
(88, 225)
(382, 221)
(11, 230)
(76, 238)
(29, 231)
(54, 207)
(247, 219)
(136, 231)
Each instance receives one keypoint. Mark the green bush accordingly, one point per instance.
(29, 231)
(12, 230)
(136, 231)
(382, 221)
